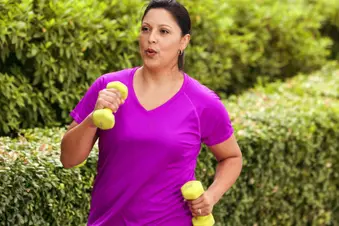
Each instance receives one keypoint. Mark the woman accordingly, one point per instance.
(153, 148)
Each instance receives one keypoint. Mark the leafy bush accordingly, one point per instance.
(289, 138)
(51, 51)
(235, 42)
(330, 27)
(288, 135)
(35, 189)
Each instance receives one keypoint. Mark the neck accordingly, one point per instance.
(160, 76)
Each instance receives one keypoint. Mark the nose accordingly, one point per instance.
(152, 37)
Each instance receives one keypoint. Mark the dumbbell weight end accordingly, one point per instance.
(103, 118)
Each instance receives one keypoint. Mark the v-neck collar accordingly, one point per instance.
(168, 102)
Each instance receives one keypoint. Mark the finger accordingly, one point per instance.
(194, 213)
(114, 99)
(121, 101)
(107, 104)
(100, 103)
(198, 206)
(202, 212)
(110, 94)
(112, 106)
(112, 90)
(198, 200)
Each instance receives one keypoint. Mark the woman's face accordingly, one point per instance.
(161, 39)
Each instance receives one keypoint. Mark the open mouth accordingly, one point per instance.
(150, 52)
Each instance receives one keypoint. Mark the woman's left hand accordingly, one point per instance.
(201, 206)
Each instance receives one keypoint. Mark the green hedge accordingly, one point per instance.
(288, 135)
(51, 51)
(330, 27)
(34, 187)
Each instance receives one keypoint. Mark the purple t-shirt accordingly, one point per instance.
(148, 155)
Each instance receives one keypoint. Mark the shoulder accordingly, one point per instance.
(200, 95)
(206, 101)
(215, 123)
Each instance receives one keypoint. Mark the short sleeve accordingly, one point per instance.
(216, 125)
(87, 104)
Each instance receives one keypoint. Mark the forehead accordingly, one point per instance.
(160, 16)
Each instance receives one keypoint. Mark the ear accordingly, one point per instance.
(185, 41)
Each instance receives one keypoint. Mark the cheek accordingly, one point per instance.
(141, 41)
(171, 47)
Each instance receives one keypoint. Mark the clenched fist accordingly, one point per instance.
(109, 98)
(202, 206)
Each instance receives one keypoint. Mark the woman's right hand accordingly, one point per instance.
(109, 98)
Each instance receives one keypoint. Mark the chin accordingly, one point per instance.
(152, 65)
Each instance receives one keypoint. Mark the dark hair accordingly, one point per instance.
(181, 15)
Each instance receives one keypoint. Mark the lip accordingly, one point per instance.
(150, 52)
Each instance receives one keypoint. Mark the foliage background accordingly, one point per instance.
(247, 51)
(51, 51)
(288, 135)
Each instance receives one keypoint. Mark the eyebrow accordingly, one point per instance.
(164, 25)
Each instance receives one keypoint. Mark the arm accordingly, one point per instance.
(78, 142)
(218, 134)
(228, 168)
(79, 139)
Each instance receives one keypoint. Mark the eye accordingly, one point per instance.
(144, 29)
(163, 31)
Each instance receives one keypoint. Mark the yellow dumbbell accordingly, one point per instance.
(81, 164)
(103, 118)
(191, 191)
